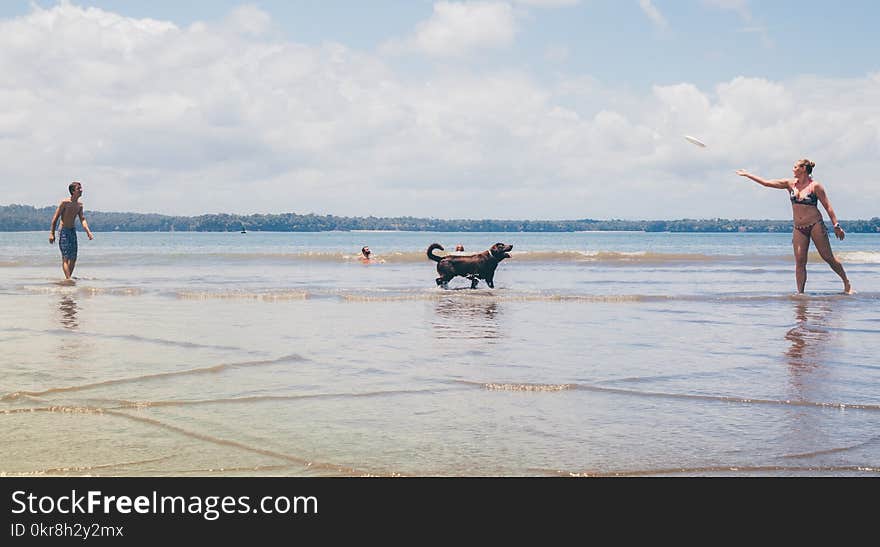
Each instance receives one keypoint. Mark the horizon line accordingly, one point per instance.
(438, 218)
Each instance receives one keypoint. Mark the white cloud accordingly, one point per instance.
(653, 14)
(249, 19)
(455, 29)
(209, 118)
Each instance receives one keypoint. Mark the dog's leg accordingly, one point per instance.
(491, 282)
(474, 282)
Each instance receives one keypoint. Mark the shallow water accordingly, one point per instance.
(281, 354)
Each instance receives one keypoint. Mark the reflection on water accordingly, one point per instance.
(72, 344)
(808, 339)
(69, 309)
(467, 318)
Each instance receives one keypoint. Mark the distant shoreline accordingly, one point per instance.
(26, 218)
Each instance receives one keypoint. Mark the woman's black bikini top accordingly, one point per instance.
(811, 199)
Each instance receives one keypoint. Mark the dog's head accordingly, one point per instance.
(500, 251)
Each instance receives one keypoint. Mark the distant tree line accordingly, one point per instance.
(16, 218)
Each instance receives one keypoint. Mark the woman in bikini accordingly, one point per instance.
(805, 194)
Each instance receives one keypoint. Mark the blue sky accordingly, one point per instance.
(456, 109)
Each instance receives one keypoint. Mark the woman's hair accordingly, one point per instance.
(808, 165)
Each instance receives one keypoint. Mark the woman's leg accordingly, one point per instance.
(801, 245)
(823, 245)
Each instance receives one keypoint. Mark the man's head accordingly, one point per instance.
(74, 187)
(365, 250)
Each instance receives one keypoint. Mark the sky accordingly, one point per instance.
(514, 109)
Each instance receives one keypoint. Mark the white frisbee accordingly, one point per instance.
(696, 141)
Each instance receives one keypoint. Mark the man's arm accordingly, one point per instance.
(82, 219)
(55, 218)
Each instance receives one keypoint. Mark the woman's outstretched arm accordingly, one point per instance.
(782, 184)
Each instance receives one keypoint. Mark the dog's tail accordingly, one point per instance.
(431, 254)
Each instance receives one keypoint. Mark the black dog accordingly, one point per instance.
(474, 267)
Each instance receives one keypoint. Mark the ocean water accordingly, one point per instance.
(596, 354)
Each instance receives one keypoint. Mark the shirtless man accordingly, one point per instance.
(67, 211)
